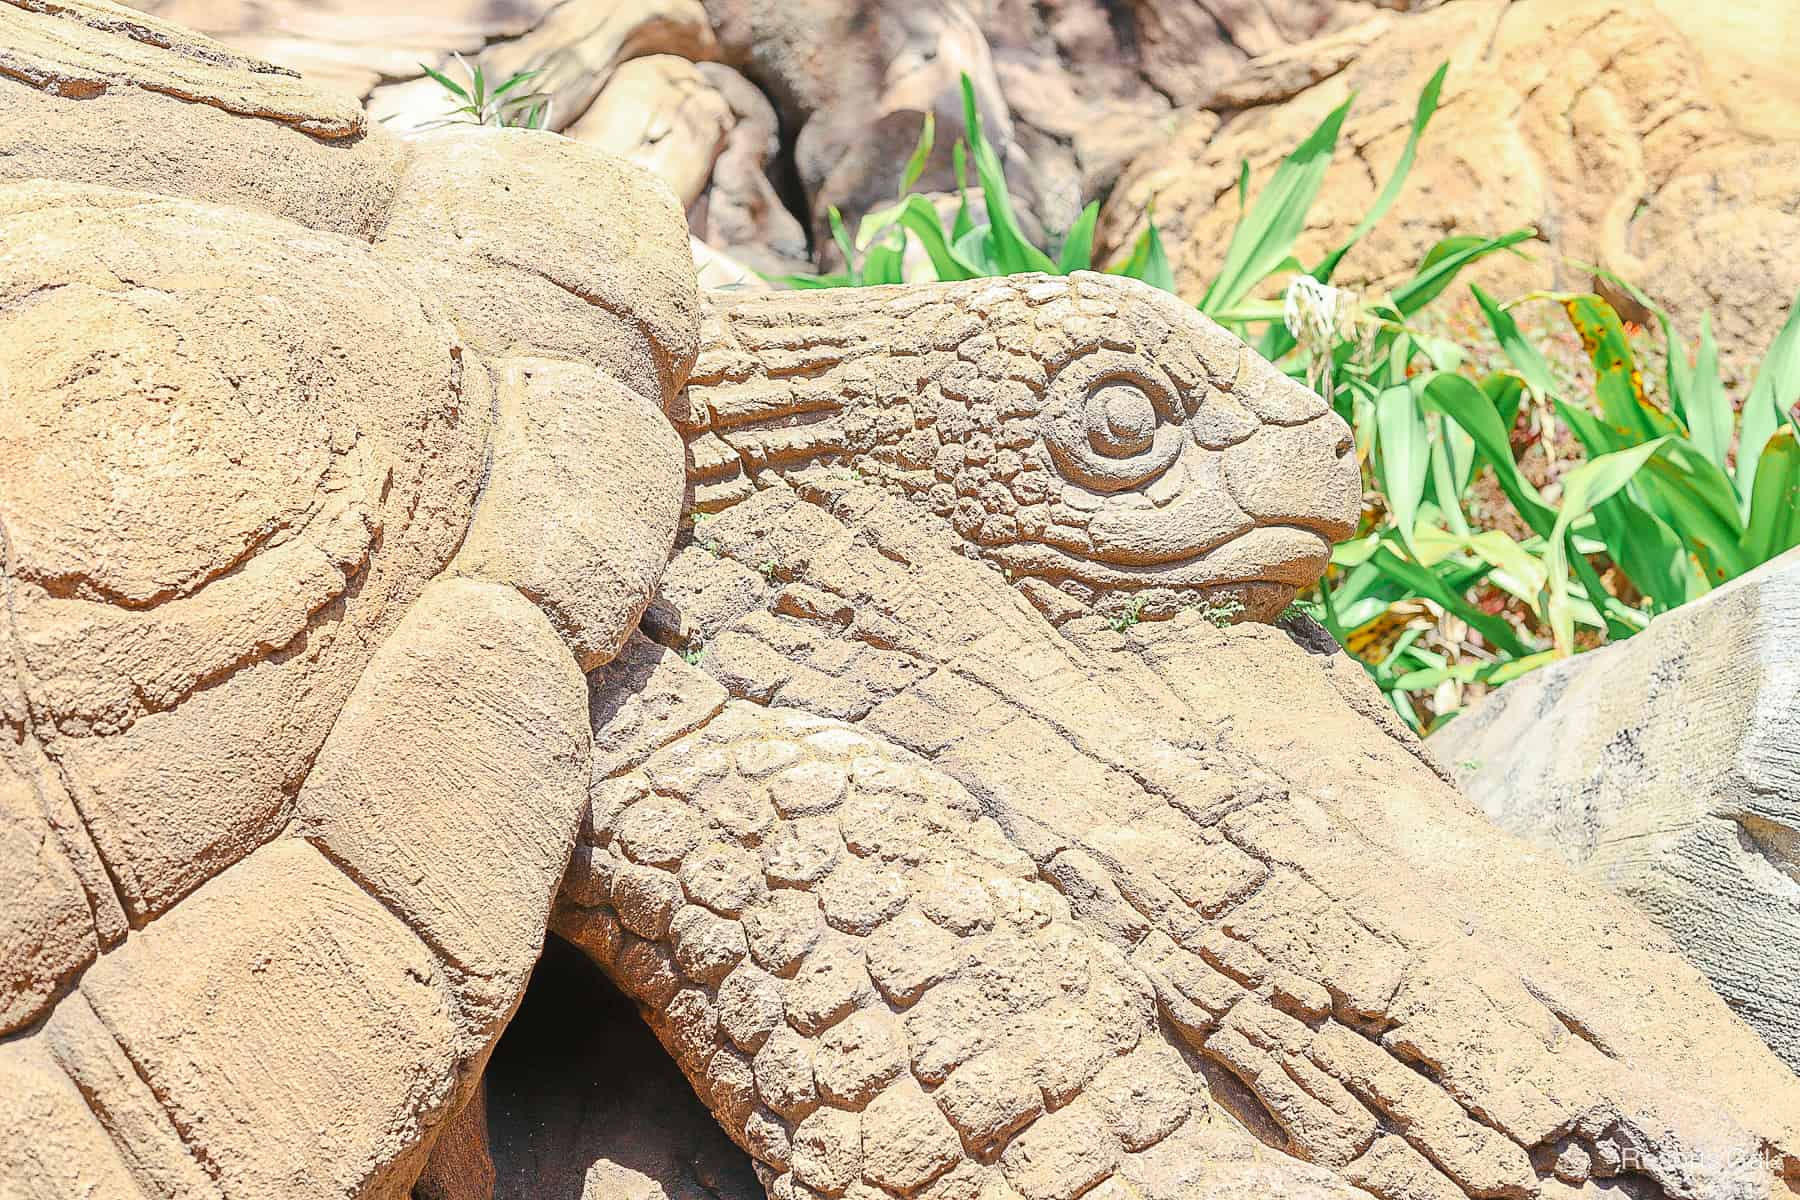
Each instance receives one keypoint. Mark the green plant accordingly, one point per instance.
(500, 106)
(692, 655)
(1224, 613)
(1130, 615)
(970, 248)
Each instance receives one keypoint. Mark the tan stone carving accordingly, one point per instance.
(929, 900)
(305, 552)
(311, 528)
(1104, 444)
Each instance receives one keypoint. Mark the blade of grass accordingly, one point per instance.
(1149, 262)
(444, 81)
(1775, 505)
(1772, 395)
(1267, 232)
(1411, 575)
(1584, 487)
(1403, 457)
(915, 166)
(515, 81)
(1078, 248)
(920, 218)
(1428, 102)
(1705, 406)
(1466, 404)
(1617, 384)
(1013, 253)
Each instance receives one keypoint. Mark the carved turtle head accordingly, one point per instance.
(1107, 446)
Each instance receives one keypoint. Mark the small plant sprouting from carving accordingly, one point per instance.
(692, 655)
(1298, 609)
(503, 106)
(768, 570)
(1132, 614)
(1224, 613)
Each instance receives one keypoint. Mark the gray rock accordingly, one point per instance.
(1667, 769)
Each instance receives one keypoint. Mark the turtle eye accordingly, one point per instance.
(1121, 420)
(1111, 421)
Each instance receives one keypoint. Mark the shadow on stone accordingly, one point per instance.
(584, 1104)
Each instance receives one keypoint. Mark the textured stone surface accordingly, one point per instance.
(96, 93)
(1126, 953)
(1624, 133)
(299, 589)
(1090, 434)
(486, 228)
(1667, 769)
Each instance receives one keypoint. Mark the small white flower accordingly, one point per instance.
(1315, 312)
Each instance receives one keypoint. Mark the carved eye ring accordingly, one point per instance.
(1110, 421)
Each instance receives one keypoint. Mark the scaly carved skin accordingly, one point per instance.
(1100, 441)
(929, 901)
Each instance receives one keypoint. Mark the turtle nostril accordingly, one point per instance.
(1345, 444)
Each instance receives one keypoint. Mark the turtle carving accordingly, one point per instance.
(306, 550)
(315, 515)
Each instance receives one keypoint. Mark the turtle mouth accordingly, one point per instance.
(1292, 555)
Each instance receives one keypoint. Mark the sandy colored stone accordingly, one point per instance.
(1048, 422)
(593, 581)
(487, 228)
(1607, 127)
(93, 92)
(1665, 769)
(199, 577)
(1252, 946)
(206, 1003)
(311, 802)
(461, 1166)
(414, 794)
(662, 114)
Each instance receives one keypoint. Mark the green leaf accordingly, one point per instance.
(515, 81)
(1617, 384)
(915, 166)
(885, 263)
(1078, 247)
(1685, 485)
(1773, 393)
(842, 238)
(1704, 404)
(1149, 262)
(810, 283)
(1428, 102)
(1519, 351)
(444, 81)
(1507, 392)
(964, 222)
(976, 247)
(1267, 232)
(1584, 487)
(920, 218)
(1403, 454)
(1469, 407)
(1775, 505)
(1445, 261)
(477, 81)
(1424, 583)
(1643, 544)
(1012, 253)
